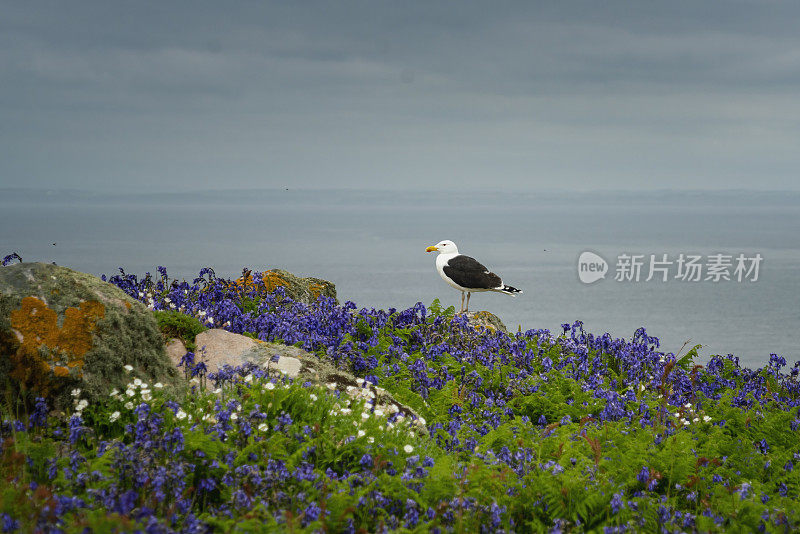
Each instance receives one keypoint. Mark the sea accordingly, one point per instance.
(741, 296)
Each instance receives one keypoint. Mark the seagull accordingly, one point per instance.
(466, 274)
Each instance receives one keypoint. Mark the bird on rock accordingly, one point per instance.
(466, 274)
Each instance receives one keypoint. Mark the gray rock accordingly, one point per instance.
(486, 320)
(219, 347)
(305, 290)
(175, 351)
(61, 329)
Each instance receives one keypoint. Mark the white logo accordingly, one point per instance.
(591, 267)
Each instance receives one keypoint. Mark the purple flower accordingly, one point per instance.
(311, 513)
(9, 524)
(644, 475)
(366, 461)
(617, 503)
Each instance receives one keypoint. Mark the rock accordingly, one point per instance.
(61, 329)
(176, 350)
(219, 347)
(486, 320)
(305, 290)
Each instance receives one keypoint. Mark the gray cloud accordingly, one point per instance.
(534, 95)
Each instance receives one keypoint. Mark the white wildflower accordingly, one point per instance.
(409, 449)
(248, 378)
(687, 405)
(137, 382)
(181, 415)
(114, 393)
(146, 395)
(130, 392)
(83, 403)
(234, 416)
(706, 418)
(76, 392)
(379, 412)
(263, 427)
(313, 397)
(113, 417)
(361, 433)
(210, 320)
(129, 405)
(269, 385)
(217, 391)
(128, 368)
(158, 385)
(365, 415)
(346, 411)
(331, 385)
(422, 420)
(696, 420)
(371, 439)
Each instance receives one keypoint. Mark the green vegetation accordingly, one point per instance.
(174, 324)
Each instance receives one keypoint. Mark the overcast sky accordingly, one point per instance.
(494, 95)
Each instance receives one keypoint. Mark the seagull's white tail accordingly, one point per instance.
(508, 290)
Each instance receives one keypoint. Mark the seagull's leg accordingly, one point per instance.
(468, 296)
(462, 303)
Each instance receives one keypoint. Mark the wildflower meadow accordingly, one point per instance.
(536, 431)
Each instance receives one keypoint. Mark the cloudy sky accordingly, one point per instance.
(494, 95)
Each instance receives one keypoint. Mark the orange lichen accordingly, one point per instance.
(315, 289)
(271, 281)
(485, 316)
(68, 344)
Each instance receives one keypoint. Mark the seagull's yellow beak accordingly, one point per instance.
(431, 249)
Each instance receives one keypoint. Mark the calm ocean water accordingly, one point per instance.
(371, 245)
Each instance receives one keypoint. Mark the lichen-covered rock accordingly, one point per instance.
(61, 329)
(484, 319)
(305, 290)
(217, 348)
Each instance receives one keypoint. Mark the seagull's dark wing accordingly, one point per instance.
(470, 273)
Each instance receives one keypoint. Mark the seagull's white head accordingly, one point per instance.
(444, 247)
